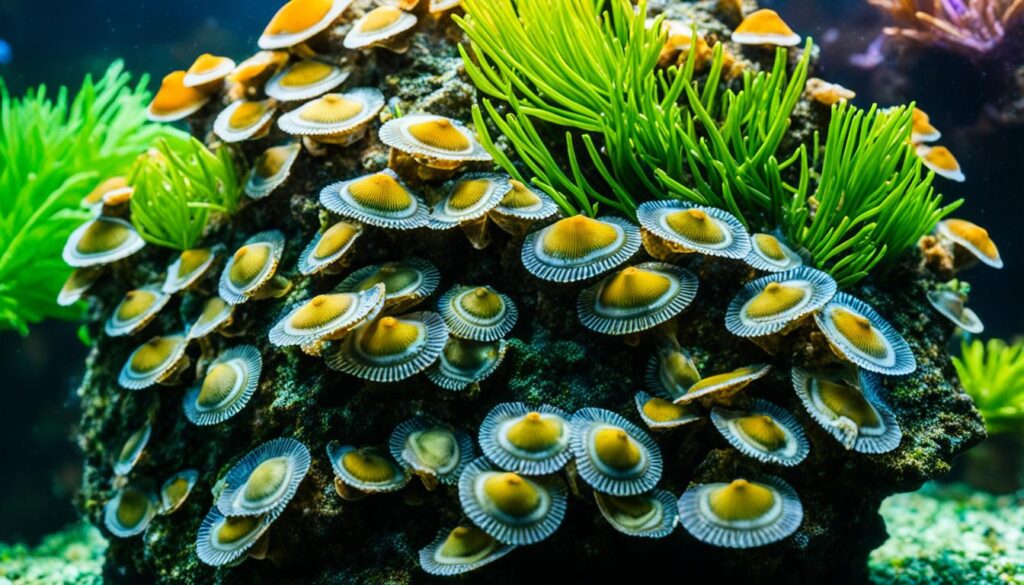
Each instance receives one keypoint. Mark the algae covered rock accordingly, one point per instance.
(549, 357)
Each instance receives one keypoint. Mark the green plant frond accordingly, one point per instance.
(992, 374)
(178, 188)
(55, 147)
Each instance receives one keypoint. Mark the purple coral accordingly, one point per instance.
(972, 27)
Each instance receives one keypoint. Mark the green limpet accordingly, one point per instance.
(670, 373)
(327, 317)
(230, 381)
(741, 514)
(389, 349)
(367, 470)
(132, 450)
(249, 272)
(509, 507)
(265, 480)
(216, 314)
(613, 455)
(136, 310)
(477, 313)
(859, 418)
(858, 333)
(378, 199)
(130, 511)
(155, 361)
(461, 550)
(636, 298)
(406, 282)
(224, 540)
(768, 253)
(686, 228)
(329, 249)
(770, 303)
(463, 363)
(244, 120)
(271, 169)
(651, 515)
(189, 267)
(662, 414)
(527, 441)
(101, 241)
(176, 490)
(433, 451)
(764, 431)
(578, 247)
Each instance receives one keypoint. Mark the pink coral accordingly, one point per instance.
(973, 27)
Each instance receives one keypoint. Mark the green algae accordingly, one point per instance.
(73, 556)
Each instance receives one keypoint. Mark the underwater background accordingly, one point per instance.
(56, 43)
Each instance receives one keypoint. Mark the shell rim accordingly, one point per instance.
(237, 400)
(585, 418)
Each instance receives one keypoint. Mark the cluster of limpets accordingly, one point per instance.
(392, 320)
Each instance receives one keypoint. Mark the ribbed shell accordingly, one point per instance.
(337, 198)
(763, 257)
(880, 439)
(115, 326)
(447, 213)
(309, 263)
(735, 241)
(336, 453)
(898, 359)
(258, 186)
(778, 523)
(357, 38)
(372, 101)
(448, 474)
(282, 40)
(730, 381)
(453, 377)
(233, 500)
(818, 287)
(462, 323)
(203, 326)
(599, 261)
(792, 452)
(115, 524)
(132, 380)
(225, 131)
(424, 285)
(170, 502)
(125, 246)
(211, 551)
(493, 439)
(432, 563)
(247, 365)
(282, 92)
(234, 294)
(363, 306)
(659, 522)
(425, 350)
(642, 398)
(175, 282)
(596, 316)
(635, 481)
(132, 450)
(395, 133)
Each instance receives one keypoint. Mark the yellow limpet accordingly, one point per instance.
(251, 73)
(613, 455)
(529, 441)
(661, 414)
(96, 197)
(827, 94)
(216, 315)
(763, 431)
(158, 360)
(433, 141)
(132, 450)
(136, 310)
(636, 298)
(174, 101)
(972, 239)
(384, 27)
(250, 272)
(742, 513)
(463, 549)
(208, 72)
(579, 247)
(271, 169)
(226, 540)
(771, 303)
(189, 267)
(673, 227)
(304, 80)
(859, 334)
(230, 381)
(335, 118)
(921, 127)
(265, 480)
(942, 161)
(389, 349)
(245, 120)
(176, 490)
(520, 208)
(365, 470)
(130, 511)
(300, 20)
(328, 251)
(671, 372)
(510, 507)
(650, 515)
(765, 27)
(464, 363)
(407, 282)
(77, 284)
(723, 386)
(859, 418)
(768, 253)
(379, 199)
(478, 313)
(101, 241)
(467, 204)
(327, 317)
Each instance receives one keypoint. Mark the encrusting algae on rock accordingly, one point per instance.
(366, 394)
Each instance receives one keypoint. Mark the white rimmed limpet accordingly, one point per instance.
(953, 306)
(613, 455)
(158, 360)
(389, 349)
(250, 74)
(217, 313)
(136, 310)
(478, 313)
(406, 282)
(176, 489)
(768, 253)
(95, 199)
(335, 118)
(271, 169)
(461, 550)
(230, 381)
(512, 508)
(471, 198)
(660, 414)
(859, 418)
(130, 511)
(175, 101)
(723, 386)
(188, 267)
(244, 120)
(431, 450)
(378, 199)
(250, 272)
(265, 480)
(101, 241)
(681, 227)
(305, 79)
(327, 317)
(577, 248)
(520, 208)
(433, 141)
(365, 470)
(78, 283)
(327, 250)
(132, 450)
(208, 71)
(464, 363)
(742, 513)
(223, 540)
(858, 333)
(940, 160)
(300, 20)
(529, 441)
(636, 298)
(384, 26)
(970, 238)
(770, 303)
(763, 431)
(671, 372)
(765, 27)
(650, 515)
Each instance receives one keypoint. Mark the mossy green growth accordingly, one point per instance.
(72, 556)
(588, 71)
(993, 375)
(54, 149)
(178, 186)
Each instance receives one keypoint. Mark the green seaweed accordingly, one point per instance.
(634, 132)
(992, 373)
(54, 149)
(178, 187)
